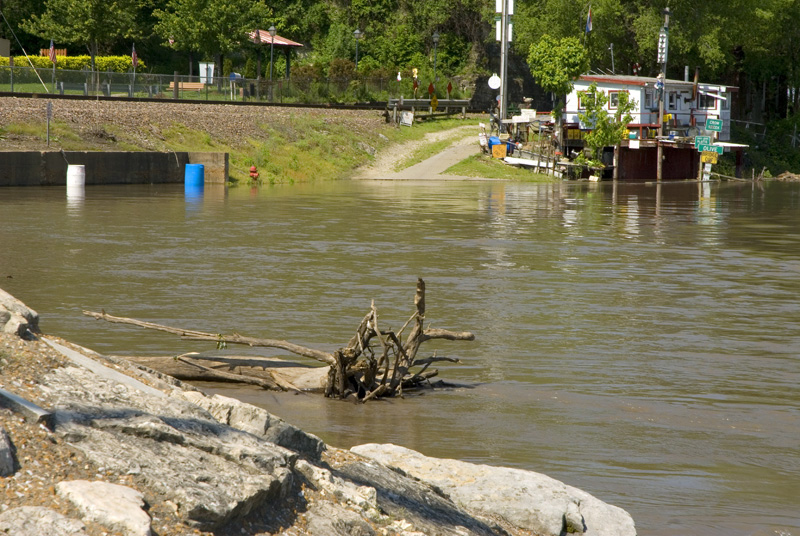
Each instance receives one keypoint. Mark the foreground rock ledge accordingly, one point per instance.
(523, 498)
(229, 467)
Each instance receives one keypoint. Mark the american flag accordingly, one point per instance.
(589, 20)
(134, 57)
(52, 53)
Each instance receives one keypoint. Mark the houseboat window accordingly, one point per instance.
(707, 101)
(672, 103)
(648, 99)
(584, 95)
(613, 100)
(726, 104)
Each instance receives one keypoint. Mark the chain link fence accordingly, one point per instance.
(298, 90)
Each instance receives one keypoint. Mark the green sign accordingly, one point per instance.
(710, 148)
(714, 124)
(702, 140)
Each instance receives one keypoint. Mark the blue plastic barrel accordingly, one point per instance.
(194, 179)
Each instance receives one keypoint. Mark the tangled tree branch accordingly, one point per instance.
(362, 368)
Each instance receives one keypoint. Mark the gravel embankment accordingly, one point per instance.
(121, 125)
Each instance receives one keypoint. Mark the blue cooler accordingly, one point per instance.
(493, 140)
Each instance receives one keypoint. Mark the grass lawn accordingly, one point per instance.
(480, 165)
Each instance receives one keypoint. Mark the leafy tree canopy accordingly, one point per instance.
(93, 23)
(211, 26)
(556, 63)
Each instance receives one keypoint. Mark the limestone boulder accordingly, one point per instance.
(176, 450)
(414, 506)
(111, 505)
(330, 519)
(525, 499)
(16, 317)
(38, 520)
(259, 422)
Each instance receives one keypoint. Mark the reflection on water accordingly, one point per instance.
(635, 340)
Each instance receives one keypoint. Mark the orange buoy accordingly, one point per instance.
(253, 172)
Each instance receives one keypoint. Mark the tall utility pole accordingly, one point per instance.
(506, 9)
(663, 47)
(613, 68)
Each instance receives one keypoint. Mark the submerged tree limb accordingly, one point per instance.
(355, 369)
(234, 338)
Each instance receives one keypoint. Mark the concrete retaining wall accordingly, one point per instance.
(49, 168)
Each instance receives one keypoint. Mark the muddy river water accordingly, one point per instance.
(640, 342)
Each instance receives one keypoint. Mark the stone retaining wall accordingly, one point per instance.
(49, 168)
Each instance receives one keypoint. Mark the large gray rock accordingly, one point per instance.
(111, 505)
(257, 421)
(327, 519)
(364, 498)
(178, 451)
(414, 506)
(525, 499)
(16, 317)
(37, 521)
(8, 460)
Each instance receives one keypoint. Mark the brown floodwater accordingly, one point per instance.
(640, 342)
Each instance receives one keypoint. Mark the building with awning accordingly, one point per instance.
(263, 37)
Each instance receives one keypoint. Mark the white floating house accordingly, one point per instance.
(687, 107)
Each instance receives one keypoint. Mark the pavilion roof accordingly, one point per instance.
(265, 38)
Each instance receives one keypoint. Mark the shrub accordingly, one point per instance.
(116, 64)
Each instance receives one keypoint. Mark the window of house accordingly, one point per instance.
(648, 99)
(613, 100)
(726, 104)
(581, 97)
(707, 102)
(672, 102)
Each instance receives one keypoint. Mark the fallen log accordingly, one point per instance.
(304, 378)
(361, 368)
(272, 382)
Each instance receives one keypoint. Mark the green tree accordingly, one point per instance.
(556, 63)
(94, 23)
(14, 11)
(606, 129)
(211, 27)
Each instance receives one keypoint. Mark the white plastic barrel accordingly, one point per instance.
(76, 180)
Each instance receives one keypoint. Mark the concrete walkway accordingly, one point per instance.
(432, 168)
(435, 166)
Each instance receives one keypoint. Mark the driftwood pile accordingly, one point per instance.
(374, 363)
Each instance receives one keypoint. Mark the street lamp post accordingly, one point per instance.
(358, 34)
(435, 46)
(272, 31)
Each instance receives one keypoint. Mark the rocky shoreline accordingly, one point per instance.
(109, 447)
